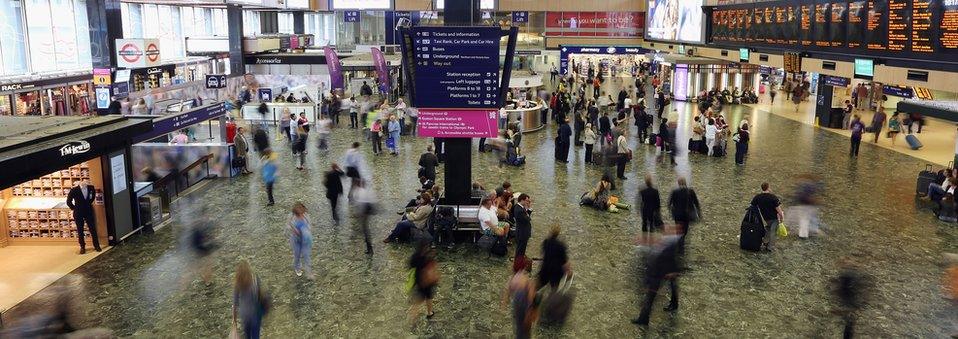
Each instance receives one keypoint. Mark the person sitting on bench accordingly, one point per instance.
(415, 219)
(445, 224)
(489, 219)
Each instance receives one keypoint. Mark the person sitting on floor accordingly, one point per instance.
(414, 219)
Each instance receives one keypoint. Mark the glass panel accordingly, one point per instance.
(5, 107)
(64, 34)
(83, 34)
(187, 17)
(40, 29)
(150, 22)
(12, 42)
(208, 21)
(168, 41)
(136, 20)
(179, 46)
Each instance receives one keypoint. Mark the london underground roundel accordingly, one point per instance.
(152, 52)
(130, 53)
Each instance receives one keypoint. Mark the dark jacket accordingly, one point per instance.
(428, 161)
(81, 205)
(684, 204)
(554, 258)
(334, 183)
(260, 140)
(663, 260)
(605, 125)
(114, 107)
(650, 200)
(565, 132)
(523, 221)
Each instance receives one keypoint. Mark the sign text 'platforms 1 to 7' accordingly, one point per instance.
(456, 67)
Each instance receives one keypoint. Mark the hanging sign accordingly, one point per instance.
(101, 76)
(351, 16)
(136, 53)
(215, 81)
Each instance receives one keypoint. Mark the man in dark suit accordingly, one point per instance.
(428, 161)
(334, 189)
(563, 141)
(80, 200)
(522, 213)
(651, 204)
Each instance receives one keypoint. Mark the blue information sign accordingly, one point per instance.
(836, 81)
(265, 94)
(351, 16)
(520, 17)
(455, 67)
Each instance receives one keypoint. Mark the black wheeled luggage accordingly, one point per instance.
(753, 230)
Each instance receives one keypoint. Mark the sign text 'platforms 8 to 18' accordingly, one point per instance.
(456, 67)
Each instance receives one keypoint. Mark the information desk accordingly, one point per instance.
(528, 118)
(250, 111)
(945, 110)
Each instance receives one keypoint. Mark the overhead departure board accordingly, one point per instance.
(856, 23)
(899, 28)
(921, 36)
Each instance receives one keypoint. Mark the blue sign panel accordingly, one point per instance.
(170, 123)
(455, 67)
(520, 17)
(351, 16)
(837, 81)
(898, 91)
(265, 94)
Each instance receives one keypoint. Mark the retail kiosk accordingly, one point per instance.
(42, 158)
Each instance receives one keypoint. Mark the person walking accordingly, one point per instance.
(522, 213)
(650, 203)
(563, 141)
(250, 303)
(894, 127)
(857, 128)
(333, 180)
(847, 114)
(623, 153)
(589, 138)
(352, 106)
(662, 265)
(269, 171)
(301, 240)
(741, 139)
(377, 136)
(710, 131)
(425, 278)
(850, 289)
(241, 144)
(428, 162)
(365, 200)
(80, 201)
(299, 147)
(521, 293)
(685, 208)
(878, 121)
(770, 208)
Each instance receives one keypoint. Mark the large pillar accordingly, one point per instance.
(299, 22)
(458, 151)
(234, 22)
(106, 25)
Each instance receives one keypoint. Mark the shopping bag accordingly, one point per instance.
(782, 230)
(390, 143)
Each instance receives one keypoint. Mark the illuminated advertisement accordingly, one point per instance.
(627, 24)
(675, 20)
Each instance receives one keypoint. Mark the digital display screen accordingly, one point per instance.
(820, 31)
(856, 23)
(805, 30)
(837, 26)
(675, 20)
(921, 36)
(864, 68)
(743, 54)
(899, 21)
(948, 27)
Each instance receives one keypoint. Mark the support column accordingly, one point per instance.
(299, 23)
(458, 155)
(234, 22)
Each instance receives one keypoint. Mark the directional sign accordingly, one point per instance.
(351, 16)
(456, 67)
(520, 17)
(102, 98)
(265, 94)
(215, 81)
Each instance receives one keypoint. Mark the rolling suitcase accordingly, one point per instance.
(913, 141)
(752, 231)
(925, 177)
(947, 212)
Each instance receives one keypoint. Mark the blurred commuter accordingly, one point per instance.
(685, 208)
(250, 303)
(200, 244)
(555, 260)
(662, 264)
(850, 288)
(651, 206)
(333, 180)
(365, 200)
(857, 128)
(299, 146)
(425, 278)
(269, 171)
(521, 294)
(301, 240)
(355, 166)
(394, 128)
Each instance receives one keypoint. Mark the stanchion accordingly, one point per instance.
(816, 122)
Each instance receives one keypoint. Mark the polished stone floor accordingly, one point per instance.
(870, 212)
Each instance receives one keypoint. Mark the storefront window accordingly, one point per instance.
(250, 23)
(285, 23)
(12, 43)
(151, 26)
(83, 35)
(40, 30)
(132, 16)
(64, 34)
(370, 30)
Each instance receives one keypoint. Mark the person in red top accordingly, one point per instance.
(595, 87)
(230, 130)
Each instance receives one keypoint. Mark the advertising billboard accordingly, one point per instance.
(675, 20)
(361, 4)
(626, 24)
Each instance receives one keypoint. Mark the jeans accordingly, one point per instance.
(588, 153)
(936, 192)
(377, 143)
(877, 132)
(620, 162)
(650, 299)
(771, 228)
(402, 230)
(353, 120)
(301, 247)
(741, 149)
(269, 192)
(856, 143)
(251, 327)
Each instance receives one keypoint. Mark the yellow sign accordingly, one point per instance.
(102, 79)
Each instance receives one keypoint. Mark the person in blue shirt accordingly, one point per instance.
(268, 171)
(394, 129)
(857, 128)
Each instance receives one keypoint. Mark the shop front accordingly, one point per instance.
(43, 158)
(605, 60)
(54, 95)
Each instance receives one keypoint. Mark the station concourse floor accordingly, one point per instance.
(870, 215)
